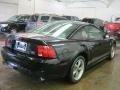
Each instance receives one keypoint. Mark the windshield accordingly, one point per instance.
(13, 18)
(56, 29)
(19, 18)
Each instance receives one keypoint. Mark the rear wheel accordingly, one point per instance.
(77, 69)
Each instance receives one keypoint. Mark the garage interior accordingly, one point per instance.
(103, 76)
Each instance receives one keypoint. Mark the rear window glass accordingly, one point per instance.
(57, 18)
(57, 29)
(34, 18)
(88, 20)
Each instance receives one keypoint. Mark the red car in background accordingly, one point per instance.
(113, 27)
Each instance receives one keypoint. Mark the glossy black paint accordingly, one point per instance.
(66, 49)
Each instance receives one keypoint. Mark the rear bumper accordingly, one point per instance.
(46, 69)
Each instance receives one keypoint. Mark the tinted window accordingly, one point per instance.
(45, 18)
(81, 34)
(88, 20)
(68, 17)
(57, 18)
(61, 18)
(89, 33)
(94, 33)
(99, 24)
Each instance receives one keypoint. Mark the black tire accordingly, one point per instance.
(72, 78)
(112, 52)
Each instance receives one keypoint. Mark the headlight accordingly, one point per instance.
(4, 25)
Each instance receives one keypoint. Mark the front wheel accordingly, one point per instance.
(77, 69)
(112, 52)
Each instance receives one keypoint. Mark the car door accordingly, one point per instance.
(94, 40)
(98, 36)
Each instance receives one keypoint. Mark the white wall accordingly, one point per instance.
(26, 7)
(94, 9)
(40, 6)
(7, 10)
(111, 12)
(49, 6)
(86, 9)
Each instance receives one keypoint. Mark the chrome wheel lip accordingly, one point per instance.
(78, 69)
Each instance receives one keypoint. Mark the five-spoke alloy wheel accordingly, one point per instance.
(77, 69)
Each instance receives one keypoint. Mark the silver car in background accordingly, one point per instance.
(38, 20)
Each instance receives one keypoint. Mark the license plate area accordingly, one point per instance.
(21, 46)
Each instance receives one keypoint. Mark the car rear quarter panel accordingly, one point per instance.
(68, 50)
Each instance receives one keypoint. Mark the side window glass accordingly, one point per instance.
(89, 33)
(94, 33)
(81, 34)
(45, 18)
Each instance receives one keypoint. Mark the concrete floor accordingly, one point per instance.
(104, 76)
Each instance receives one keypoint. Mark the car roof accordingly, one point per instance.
(47, 15)
(23, 15)
(93, 19)
(75, 22)
(68, 16)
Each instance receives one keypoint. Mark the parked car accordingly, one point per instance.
(14, 24)
(97, 22)
(38, 20)
(59, 49)
(72, 18)
(114, 27)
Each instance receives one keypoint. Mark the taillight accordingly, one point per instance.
(46, 52)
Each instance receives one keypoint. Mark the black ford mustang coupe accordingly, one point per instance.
(59, 49)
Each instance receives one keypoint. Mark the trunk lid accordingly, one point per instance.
(27, 43)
